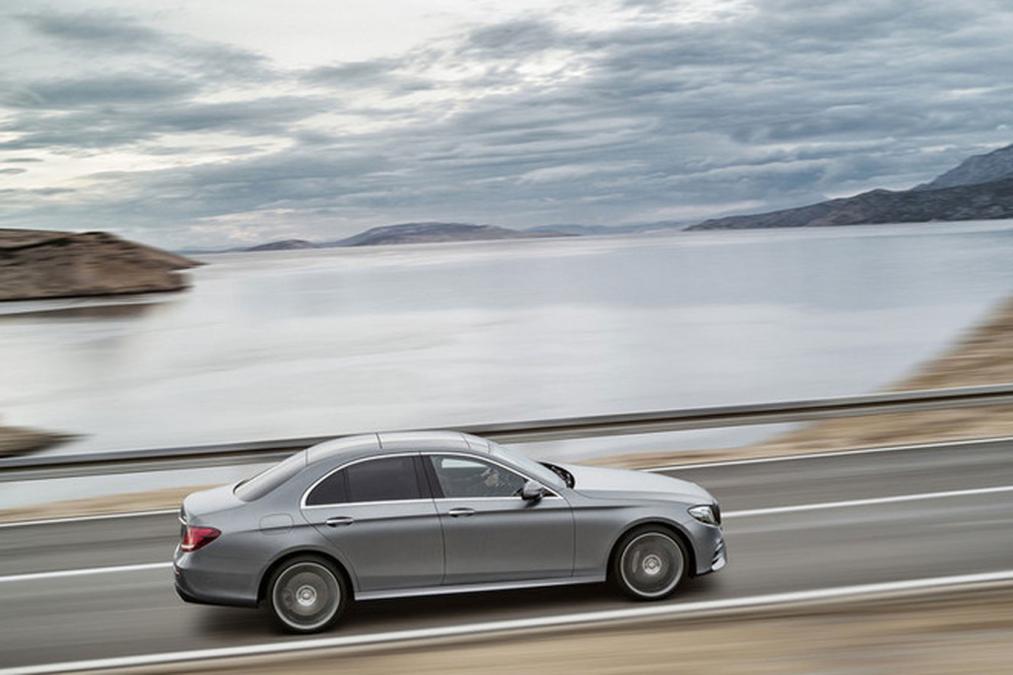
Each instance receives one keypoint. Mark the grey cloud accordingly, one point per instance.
(102, 90)
(12, 171)
(504, 39)
(361, 72)
(92, 28)
(779, 106)
(113, 35)
(109, 127)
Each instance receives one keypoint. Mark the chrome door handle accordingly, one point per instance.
(461, 511)
(337, 521)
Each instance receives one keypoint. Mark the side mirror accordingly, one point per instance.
(532, 491)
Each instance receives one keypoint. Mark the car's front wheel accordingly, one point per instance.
(649, 563)
(306, 594)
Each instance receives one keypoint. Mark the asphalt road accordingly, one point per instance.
(45, 620)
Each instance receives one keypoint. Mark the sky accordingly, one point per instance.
(192, 123)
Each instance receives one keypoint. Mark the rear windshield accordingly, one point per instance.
(267, 480)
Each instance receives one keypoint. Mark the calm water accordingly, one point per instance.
(305, 343)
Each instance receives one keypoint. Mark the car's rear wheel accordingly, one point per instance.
(649, 563)
(306, 594)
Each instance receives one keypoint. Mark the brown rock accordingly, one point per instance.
(46, 264)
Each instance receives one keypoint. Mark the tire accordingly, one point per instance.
(307, 594)
(649, 563)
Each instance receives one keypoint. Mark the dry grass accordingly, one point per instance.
(168, 498)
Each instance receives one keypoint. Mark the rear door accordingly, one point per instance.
(490, 533)
(379, 515)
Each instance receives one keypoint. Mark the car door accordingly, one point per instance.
(490, 533)
(378, 514)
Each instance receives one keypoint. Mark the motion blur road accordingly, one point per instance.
(822, 544)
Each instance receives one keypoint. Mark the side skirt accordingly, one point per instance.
(477, 588)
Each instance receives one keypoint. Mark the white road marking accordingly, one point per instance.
(773, 510)
(830, 454)
(579, 618)
(84, 571)
(896, 499)
(80, 519)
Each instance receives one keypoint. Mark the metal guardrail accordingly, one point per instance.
(54, 465)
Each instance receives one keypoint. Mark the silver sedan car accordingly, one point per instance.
(404, 514)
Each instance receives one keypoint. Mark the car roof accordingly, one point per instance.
(396, 441)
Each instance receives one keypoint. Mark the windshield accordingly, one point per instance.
(530, 466)
(267, 480)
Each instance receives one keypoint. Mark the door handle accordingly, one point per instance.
(338, 521)
(461, 511)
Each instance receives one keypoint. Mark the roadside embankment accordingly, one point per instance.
(148, 500)
(983, 355)
(968, 631)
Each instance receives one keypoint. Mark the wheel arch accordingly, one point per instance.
(265, 576)
(669, 525)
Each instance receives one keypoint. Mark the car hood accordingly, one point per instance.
(593, 481)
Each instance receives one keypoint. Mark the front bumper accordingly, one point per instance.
(711, 551)
(720, 557)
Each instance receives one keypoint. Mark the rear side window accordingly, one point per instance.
(374, 480)
(269, 479)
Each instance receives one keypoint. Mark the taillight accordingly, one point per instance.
(197, 537)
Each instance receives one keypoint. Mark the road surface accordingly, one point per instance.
(854, 519)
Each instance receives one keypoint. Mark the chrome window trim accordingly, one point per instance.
(306, 493)
(551, 494)
(335, 505)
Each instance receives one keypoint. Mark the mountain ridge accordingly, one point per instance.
(948, 197)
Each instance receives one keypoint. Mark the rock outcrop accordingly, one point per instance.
(45, 264)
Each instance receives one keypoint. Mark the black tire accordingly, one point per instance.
(306, 594)
(649, 563)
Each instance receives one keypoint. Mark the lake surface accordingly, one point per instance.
(304, 343)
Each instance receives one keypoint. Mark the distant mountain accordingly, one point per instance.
(979, 188)
(282, 245)
(986, 168)
(422, 233)
(592, 230)
(406, 233)
(964, 202)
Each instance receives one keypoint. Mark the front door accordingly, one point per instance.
(378, 516)
(490, 533)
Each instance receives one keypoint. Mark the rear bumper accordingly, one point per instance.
(200, 587)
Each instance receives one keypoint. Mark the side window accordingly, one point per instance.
(330, 490)
(464, 477)
(374, 480)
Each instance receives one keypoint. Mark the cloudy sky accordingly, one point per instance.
(214, 123)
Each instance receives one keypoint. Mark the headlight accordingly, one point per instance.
(706, 513)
